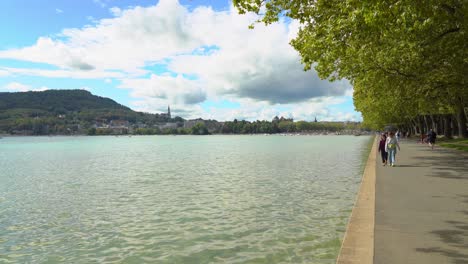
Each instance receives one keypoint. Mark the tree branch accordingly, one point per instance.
(393, 71)
(439, 37)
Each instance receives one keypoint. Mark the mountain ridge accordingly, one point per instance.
(66, 100)
(67, 112)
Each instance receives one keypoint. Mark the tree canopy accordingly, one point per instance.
(406, 59)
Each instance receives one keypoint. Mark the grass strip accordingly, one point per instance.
(457, 143)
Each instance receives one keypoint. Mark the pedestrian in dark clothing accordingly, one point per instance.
(431, 138)
(382, 151)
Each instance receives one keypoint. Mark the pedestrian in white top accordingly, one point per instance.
(391, 146)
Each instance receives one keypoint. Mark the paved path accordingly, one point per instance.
(421, 207)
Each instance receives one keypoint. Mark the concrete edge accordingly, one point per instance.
(358, 242)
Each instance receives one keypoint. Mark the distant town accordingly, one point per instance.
(78, 112)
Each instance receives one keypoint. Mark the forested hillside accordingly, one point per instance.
(65, 112)
(57, 101)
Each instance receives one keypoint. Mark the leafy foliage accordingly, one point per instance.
(405, 58)
(199, 129)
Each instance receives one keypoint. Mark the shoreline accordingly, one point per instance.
(358, 240)
(136, 135)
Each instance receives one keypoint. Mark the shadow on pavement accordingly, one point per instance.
(407, 166)
(458, 168)
(458, 258)
(456, 237)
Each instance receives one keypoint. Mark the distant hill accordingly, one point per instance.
(67, 112)
(58, 101)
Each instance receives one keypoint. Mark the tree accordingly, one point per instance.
(92, 131)
(418, 50)
(199, 129)
(286, 126)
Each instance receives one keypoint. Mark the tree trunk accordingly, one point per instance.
(425, 127)
(454, 124)
(411, 127)
(417, 127)
(461, 120)
(433, 125)
(441, 124)
(421, 125)
(447, 126)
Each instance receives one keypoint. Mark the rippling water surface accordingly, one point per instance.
(177, 199)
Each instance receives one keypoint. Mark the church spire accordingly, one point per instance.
(168, 111)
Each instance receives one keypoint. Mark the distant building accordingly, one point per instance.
(141, 125)
(168, 126)
(193, 122)
(119, 124)
(116, 127)
(168, 114)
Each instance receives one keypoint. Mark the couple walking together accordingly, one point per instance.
(388, 148)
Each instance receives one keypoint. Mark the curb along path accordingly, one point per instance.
(358, 242)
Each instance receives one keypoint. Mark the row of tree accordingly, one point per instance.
(406, 59)
(53, 126)
(35, 122)
(205, 127)
(284, 126)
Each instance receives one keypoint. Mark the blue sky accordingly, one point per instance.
(197, 56)
(23, 21)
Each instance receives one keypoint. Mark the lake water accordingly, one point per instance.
(177, 199)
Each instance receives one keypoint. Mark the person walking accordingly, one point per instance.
(431, 138)
(391, 145)
(383, 152)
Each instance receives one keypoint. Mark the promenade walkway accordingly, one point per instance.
(421, 207)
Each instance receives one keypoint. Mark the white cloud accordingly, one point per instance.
(101, 3)
(253, 110)
(349, 92)
(126, 42)
(116, 11)
(226, 59)
(177, 90)
(86, 88)
(58, 10)
(91, 19)
(4, 73)
(19, 87)
(95, 74)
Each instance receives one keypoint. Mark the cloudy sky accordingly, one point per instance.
(197, 56)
